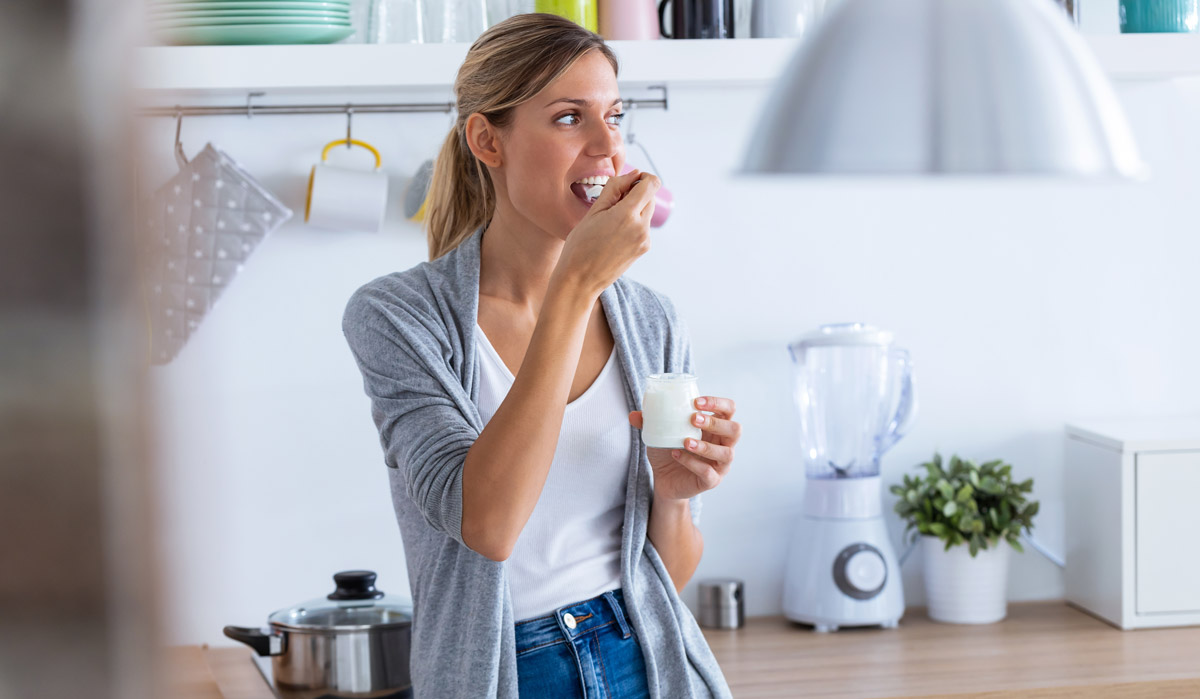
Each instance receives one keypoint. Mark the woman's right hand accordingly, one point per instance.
(613, 233)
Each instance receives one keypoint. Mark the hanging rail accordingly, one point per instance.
(251, 110)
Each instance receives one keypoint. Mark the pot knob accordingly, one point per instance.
(355, 584)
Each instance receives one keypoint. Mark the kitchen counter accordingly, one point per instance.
(1039, 645)
(1043, 649)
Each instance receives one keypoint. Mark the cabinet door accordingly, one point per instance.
(1168, 529)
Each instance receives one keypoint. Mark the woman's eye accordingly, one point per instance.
(620, 116)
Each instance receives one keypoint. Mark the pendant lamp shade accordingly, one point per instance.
(933, 87)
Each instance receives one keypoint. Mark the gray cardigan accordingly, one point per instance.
(412, 334)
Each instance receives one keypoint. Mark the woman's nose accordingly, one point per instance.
(606, 139)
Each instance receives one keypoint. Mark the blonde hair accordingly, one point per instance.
(506, 66)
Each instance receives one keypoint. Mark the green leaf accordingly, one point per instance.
(965, 493)
(950, 508)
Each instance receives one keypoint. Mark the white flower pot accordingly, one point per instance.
(964, 590)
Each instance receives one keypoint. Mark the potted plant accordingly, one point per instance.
(963, 514)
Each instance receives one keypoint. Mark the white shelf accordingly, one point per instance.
(213, 70)
(357, 68)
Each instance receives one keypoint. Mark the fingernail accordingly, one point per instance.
(701, 402)
(691, 444)
(699, 419)
(675, 453)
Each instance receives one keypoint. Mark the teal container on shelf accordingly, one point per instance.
(1148, 16)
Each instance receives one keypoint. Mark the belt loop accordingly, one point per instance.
(616, 607)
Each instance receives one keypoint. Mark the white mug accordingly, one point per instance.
(345, 198)
(784, 18)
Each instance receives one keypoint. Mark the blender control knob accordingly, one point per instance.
(866, 570)
(860, 571)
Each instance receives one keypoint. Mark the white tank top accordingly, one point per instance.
(570, 549)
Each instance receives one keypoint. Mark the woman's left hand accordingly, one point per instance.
(683, 473)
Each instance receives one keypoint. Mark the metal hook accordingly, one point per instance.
(349, 116)
(180, 158)
(631, 138)
(250, 107)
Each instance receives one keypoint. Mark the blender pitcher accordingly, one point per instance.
(856, 398)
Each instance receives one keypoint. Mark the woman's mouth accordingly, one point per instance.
(588, 189)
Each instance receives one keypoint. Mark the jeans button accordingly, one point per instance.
(569, 620)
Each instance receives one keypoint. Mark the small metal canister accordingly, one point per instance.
(721, 604)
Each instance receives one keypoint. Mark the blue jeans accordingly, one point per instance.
(600, 658)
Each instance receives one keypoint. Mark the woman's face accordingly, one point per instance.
(568, 131)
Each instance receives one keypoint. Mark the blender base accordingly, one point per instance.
(843, 572)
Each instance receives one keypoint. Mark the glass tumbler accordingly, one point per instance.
(456, 21)
(500, 10)
(396, 22)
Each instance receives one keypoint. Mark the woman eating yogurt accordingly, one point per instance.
(546, 544)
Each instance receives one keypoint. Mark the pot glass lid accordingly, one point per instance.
(354, 605)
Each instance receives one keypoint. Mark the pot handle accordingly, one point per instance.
(262, 643)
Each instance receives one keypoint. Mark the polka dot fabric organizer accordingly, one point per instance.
(200, 228)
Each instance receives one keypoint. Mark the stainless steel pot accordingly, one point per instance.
(355, 641)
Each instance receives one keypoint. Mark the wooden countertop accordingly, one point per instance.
(1043, 649)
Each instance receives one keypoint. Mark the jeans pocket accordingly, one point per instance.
(548, 671)
(624, 666)
(522, 653)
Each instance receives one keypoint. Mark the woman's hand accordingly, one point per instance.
(683, 473)
(613, 233)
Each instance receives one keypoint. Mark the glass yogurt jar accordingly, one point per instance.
(667, 408)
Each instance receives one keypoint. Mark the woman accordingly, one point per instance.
(545, 544)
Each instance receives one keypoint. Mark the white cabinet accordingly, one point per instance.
(1132, 493)
(1167, 576)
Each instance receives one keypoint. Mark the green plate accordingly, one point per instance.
(255, 34)
(295, 14)
(246, 21)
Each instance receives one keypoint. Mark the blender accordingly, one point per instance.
(856, 396)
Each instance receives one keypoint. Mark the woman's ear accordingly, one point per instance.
(484, 140)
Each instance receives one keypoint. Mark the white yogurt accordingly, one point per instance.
(667, 408)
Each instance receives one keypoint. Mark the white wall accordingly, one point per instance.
(1024, 304)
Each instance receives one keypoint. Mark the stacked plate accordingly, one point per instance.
(250, 21)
